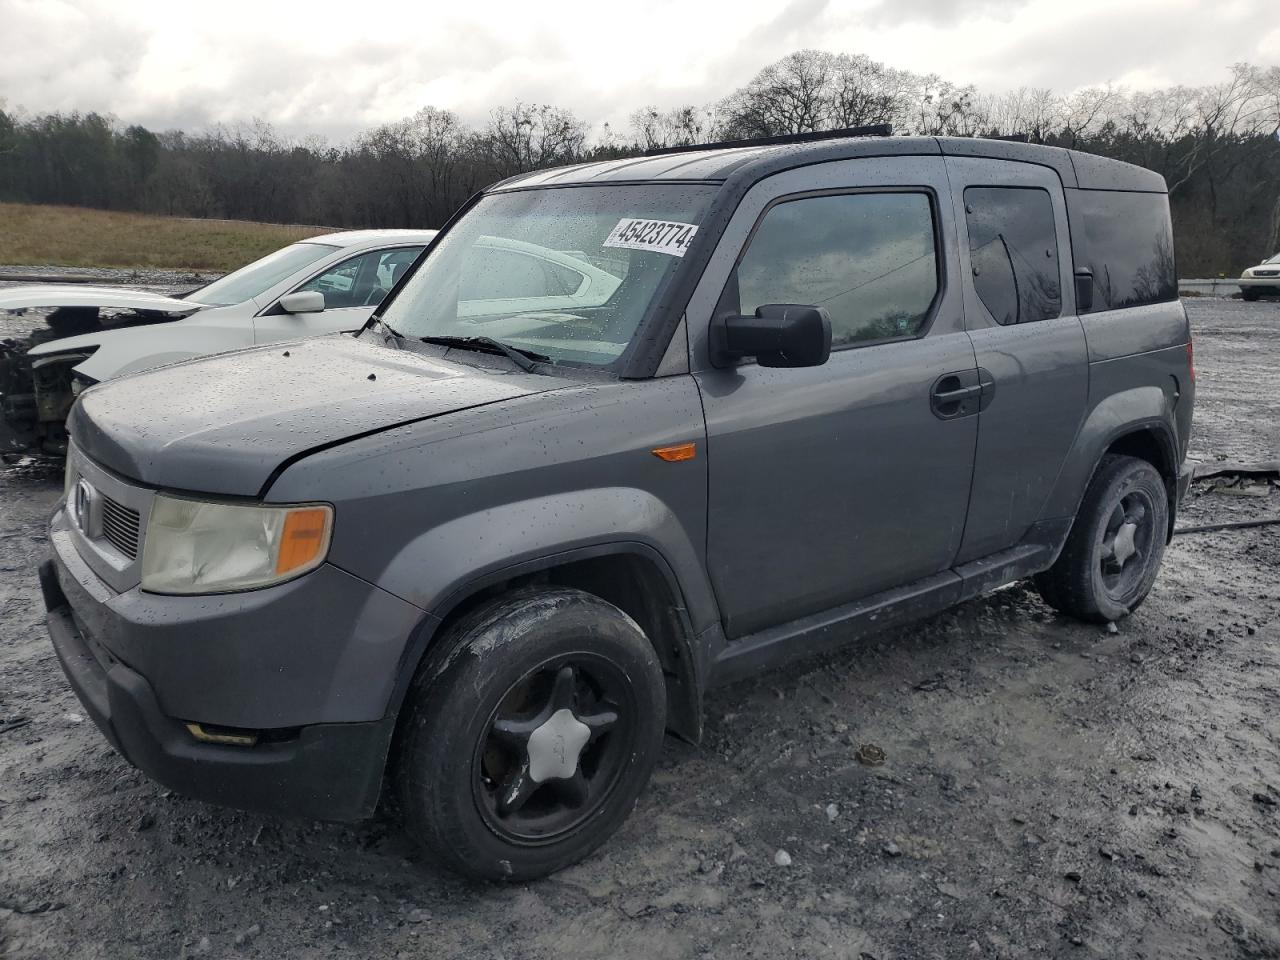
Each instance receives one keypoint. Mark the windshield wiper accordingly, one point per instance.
(525, 359)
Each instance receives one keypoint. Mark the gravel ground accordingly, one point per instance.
(1050, 788)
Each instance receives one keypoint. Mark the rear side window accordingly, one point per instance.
(1013, 247)
(1126, 241)
(869, 259)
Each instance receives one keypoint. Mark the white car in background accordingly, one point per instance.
(323, 285)
(1261, 280)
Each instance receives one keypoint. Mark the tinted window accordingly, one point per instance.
(1014, 250)
(492, 274)
(1126, 240)
(868, 258)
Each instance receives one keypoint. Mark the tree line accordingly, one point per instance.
(1217, 147)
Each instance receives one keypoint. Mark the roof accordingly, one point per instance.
(754, 162)
(360, 238)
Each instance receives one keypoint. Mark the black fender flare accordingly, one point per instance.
(425, 651)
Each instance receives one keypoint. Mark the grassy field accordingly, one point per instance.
(71, 236)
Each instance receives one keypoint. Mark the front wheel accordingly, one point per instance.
(1113, 552)
(1248, 293)
(529, 747)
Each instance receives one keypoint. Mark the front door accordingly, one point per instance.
(831, 483)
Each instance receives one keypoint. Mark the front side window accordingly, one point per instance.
(394, 264)
(869, 259)
(261, 275)
(569, 273)
(339, 284)
(364, 280)
(1013, 247)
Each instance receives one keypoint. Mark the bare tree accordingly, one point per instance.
(528, 136)
(655, 129)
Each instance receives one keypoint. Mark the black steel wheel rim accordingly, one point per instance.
(514, 804)
(1128, 537)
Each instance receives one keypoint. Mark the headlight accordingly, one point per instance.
(196, 547)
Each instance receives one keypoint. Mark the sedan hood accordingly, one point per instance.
(108, 298)
(223, 425)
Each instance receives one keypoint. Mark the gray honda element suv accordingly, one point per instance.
(627, 430)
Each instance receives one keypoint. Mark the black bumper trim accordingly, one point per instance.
(328, 772)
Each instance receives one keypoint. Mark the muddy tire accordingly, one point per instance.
(1113, 552)
(529, 745)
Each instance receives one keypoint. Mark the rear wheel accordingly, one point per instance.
(1113, 552)
(529, 747)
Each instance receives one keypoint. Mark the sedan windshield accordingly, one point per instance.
(261, 275)
(567, 273)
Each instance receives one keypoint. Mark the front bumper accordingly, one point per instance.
(326, 770)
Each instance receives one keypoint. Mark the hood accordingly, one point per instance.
(108, 298)
(223, 425)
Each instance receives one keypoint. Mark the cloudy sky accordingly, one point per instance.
(334, 67)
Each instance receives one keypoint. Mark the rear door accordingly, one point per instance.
(1020, 314)
(831, 483)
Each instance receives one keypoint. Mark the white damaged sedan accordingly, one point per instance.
(322, 285)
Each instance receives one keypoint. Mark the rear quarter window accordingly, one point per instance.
(1126, 241)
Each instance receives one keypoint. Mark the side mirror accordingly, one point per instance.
(780, 335)
(1084, 291)
(304, 301)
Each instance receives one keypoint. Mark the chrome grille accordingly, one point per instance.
(120, 527)
(108, 523)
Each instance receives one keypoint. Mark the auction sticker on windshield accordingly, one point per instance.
(660, 236)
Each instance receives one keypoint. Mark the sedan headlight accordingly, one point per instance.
(197, 547)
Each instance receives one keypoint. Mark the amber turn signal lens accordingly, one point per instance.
(676, 453)
(304, 538)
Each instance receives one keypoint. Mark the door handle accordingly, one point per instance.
(955, 395)
(942, 397)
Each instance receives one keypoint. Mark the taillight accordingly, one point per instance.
(1191, 360)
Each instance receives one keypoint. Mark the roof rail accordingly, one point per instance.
(870, 130)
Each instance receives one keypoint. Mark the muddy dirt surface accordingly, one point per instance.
(1048, 788)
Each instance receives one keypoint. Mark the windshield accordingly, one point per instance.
(1275, 259)
(261, 275)
(568, 273)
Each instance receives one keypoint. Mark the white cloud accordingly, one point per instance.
(334, 68)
